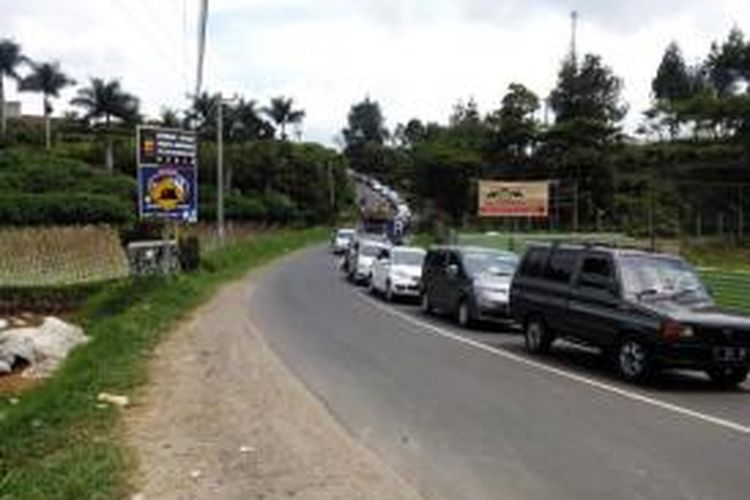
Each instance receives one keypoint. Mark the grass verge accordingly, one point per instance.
(55, 442)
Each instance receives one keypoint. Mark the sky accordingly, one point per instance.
(417, 58)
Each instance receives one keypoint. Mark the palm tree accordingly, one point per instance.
(10, 59)
(107, 100)
(281, 112)
(48, 79)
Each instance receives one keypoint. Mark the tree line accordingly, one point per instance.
(696, 132)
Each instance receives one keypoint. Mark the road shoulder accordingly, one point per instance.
(224, 418)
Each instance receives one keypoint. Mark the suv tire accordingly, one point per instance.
(537, 338)
(463, 314)
(728, 377)
(425, 304)
(634, 360)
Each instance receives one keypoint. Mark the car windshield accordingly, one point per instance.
(659, 277)
(408, 258)
(497, 263)
(347, 235)
(370, 250)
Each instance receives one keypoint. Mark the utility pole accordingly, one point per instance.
(651, 229)
(574, 35)
(331, 187)
(741, 216)
(220, 169)
(575, 207)
(202, 25)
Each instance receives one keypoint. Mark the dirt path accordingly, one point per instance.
(224, 419)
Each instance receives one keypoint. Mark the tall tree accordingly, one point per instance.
(10, 59)
(514, 126)
(47, 79)
(246, 123)
(365, 137)
(106, 100)
(729, 63)
(410, 134)
(282, 113)
(672, 81)
(589, 91)
(365, 124)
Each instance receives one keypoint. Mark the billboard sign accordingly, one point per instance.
(513, 199)
(167, 174)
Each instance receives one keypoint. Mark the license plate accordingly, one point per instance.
(730, 354)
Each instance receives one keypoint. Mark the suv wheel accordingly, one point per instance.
(388, 291)
(425, 303)
(537, 339)
(728, 377)
(634, 360)
(371, 287)
(463, 314)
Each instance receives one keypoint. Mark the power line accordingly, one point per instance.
(148, 34)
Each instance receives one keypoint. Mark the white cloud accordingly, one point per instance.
(417, 58)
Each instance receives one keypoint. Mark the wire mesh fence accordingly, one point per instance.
(32, 257)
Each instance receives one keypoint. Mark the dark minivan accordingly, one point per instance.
(471, 282)
(647, 310)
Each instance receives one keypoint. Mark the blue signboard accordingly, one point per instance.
(167, 174)
(168, 192)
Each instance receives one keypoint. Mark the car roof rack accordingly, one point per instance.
(592, 244)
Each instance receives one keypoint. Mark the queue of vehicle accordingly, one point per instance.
(644, 311)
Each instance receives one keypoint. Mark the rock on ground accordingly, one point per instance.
(224, 418)
(44, 347)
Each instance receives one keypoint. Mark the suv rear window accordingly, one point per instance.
(533, 264)
(435, 258)
(561, 265)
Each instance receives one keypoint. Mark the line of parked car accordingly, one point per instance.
(645, 311)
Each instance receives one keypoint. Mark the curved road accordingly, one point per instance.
(467, 415)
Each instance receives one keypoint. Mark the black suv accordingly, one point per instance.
(647, 310)
(470, 282)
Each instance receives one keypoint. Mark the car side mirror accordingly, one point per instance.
(452, 270)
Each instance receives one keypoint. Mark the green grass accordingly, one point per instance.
(55, 443)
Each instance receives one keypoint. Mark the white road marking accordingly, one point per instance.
(634, 396)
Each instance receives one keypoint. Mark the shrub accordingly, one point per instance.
(190, 253)
(239, 208)
(245, 209)
(63, 209)
(47, 300)
(280, 208)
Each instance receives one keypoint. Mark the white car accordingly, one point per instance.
(360, 270)
(340, 240)
(398, 273)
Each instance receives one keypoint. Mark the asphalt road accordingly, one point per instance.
(468, 415)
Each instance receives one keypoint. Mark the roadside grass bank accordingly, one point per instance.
(55, 440)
